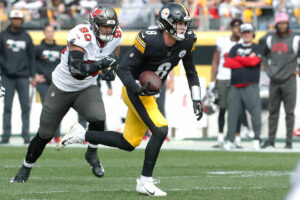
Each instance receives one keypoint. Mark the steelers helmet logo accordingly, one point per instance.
(165, 13)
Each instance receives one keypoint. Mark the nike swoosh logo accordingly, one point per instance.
(151, 193)
(63, 142)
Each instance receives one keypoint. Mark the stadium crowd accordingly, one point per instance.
(140, 14)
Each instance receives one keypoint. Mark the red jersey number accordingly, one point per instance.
(87, 36)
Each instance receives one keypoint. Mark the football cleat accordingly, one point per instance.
(228, 145)
(22, 175)
(75, 135)
(256, 145)
(92, 159)
(146, 186)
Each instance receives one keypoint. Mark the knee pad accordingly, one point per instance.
(96, 126)
(160, 132)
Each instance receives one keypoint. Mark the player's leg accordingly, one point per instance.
(251, 100)
(10, 86)
(22, 86)
(289, 90)
(234, 105)
(56, 105)
(274, 108)
(222, 90)
(89, 105)
(147, 110)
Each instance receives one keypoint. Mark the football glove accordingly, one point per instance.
(198, 110)
(146, 92)
(108, 74)
(110, 61)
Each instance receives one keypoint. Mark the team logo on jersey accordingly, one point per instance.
(51, 55)
(165, 13)
(182, 53)
(15, 46)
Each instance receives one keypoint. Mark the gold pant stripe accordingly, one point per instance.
(135, 126)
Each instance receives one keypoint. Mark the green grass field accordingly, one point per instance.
(183, 175)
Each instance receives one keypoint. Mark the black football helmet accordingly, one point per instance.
(106, 16)
(172, 13)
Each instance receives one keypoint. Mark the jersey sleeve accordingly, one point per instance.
(140, 42)
(80, 36)
(119, 36)
(218, 43)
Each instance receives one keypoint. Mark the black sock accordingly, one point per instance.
(152, 149)
(36, 148)
(221, 119)
(108, 138)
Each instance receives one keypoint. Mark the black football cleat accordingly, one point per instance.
(22, 175)
(92, 159)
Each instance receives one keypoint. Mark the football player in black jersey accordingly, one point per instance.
(157, 50)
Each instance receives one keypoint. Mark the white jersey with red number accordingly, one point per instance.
(84, 37)
(224, 45)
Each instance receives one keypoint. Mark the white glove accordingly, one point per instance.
(2, 91)
(211, 86)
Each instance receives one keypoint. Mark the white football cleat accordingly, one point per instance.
(228, 145)
(76, 134)
(256, 145)
(145, 185)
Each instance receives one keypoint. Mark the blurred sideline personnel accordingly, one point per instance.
(91, 47)
(280, 60)
(157, 50)
(47, 58)
(220, 77)
(18, 70)
(244, 62)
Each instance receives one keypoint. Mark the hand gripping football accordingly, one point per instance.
(153, 79)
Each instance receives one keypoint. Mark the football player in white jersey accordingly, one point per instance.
(220, 76)
(91, 47)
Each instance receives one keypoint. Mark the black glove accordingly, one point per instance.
(110, 61)
(108, 75)
(198, 110)
(146, 92)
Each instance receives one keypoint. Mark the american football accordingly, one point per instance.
(153, 79)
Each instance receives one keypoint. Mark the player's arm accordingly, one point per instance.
(2, 60)
(132, 61)
(214, 68)
(81, 70)
(194, 85)
(266, 52)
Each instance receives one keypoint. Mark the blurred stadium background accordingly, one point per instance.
(210, 19)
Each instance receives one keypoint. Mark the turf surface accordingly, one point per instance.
(183, 175)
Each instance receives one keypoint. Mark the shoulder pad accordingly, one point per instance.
(140, 42)
(80, 35)
(193, 38)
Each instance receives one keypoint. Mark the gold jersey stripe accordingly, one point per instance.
(141, 41)
(194, 46)
(139, 45)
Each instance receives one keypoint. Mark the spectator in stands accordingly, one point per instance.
(47, 58)
(244, 62)
(131, 15)
(3, 15)
(18, 70)
(193, 7)
(35, 13)
(280, 60)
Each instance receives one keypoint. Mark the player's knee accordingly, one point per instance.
(95, 117)
(160, 132)
(126, 145)
(96, 126)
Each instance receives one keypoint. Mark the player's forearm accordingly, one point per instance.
(127, 79)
